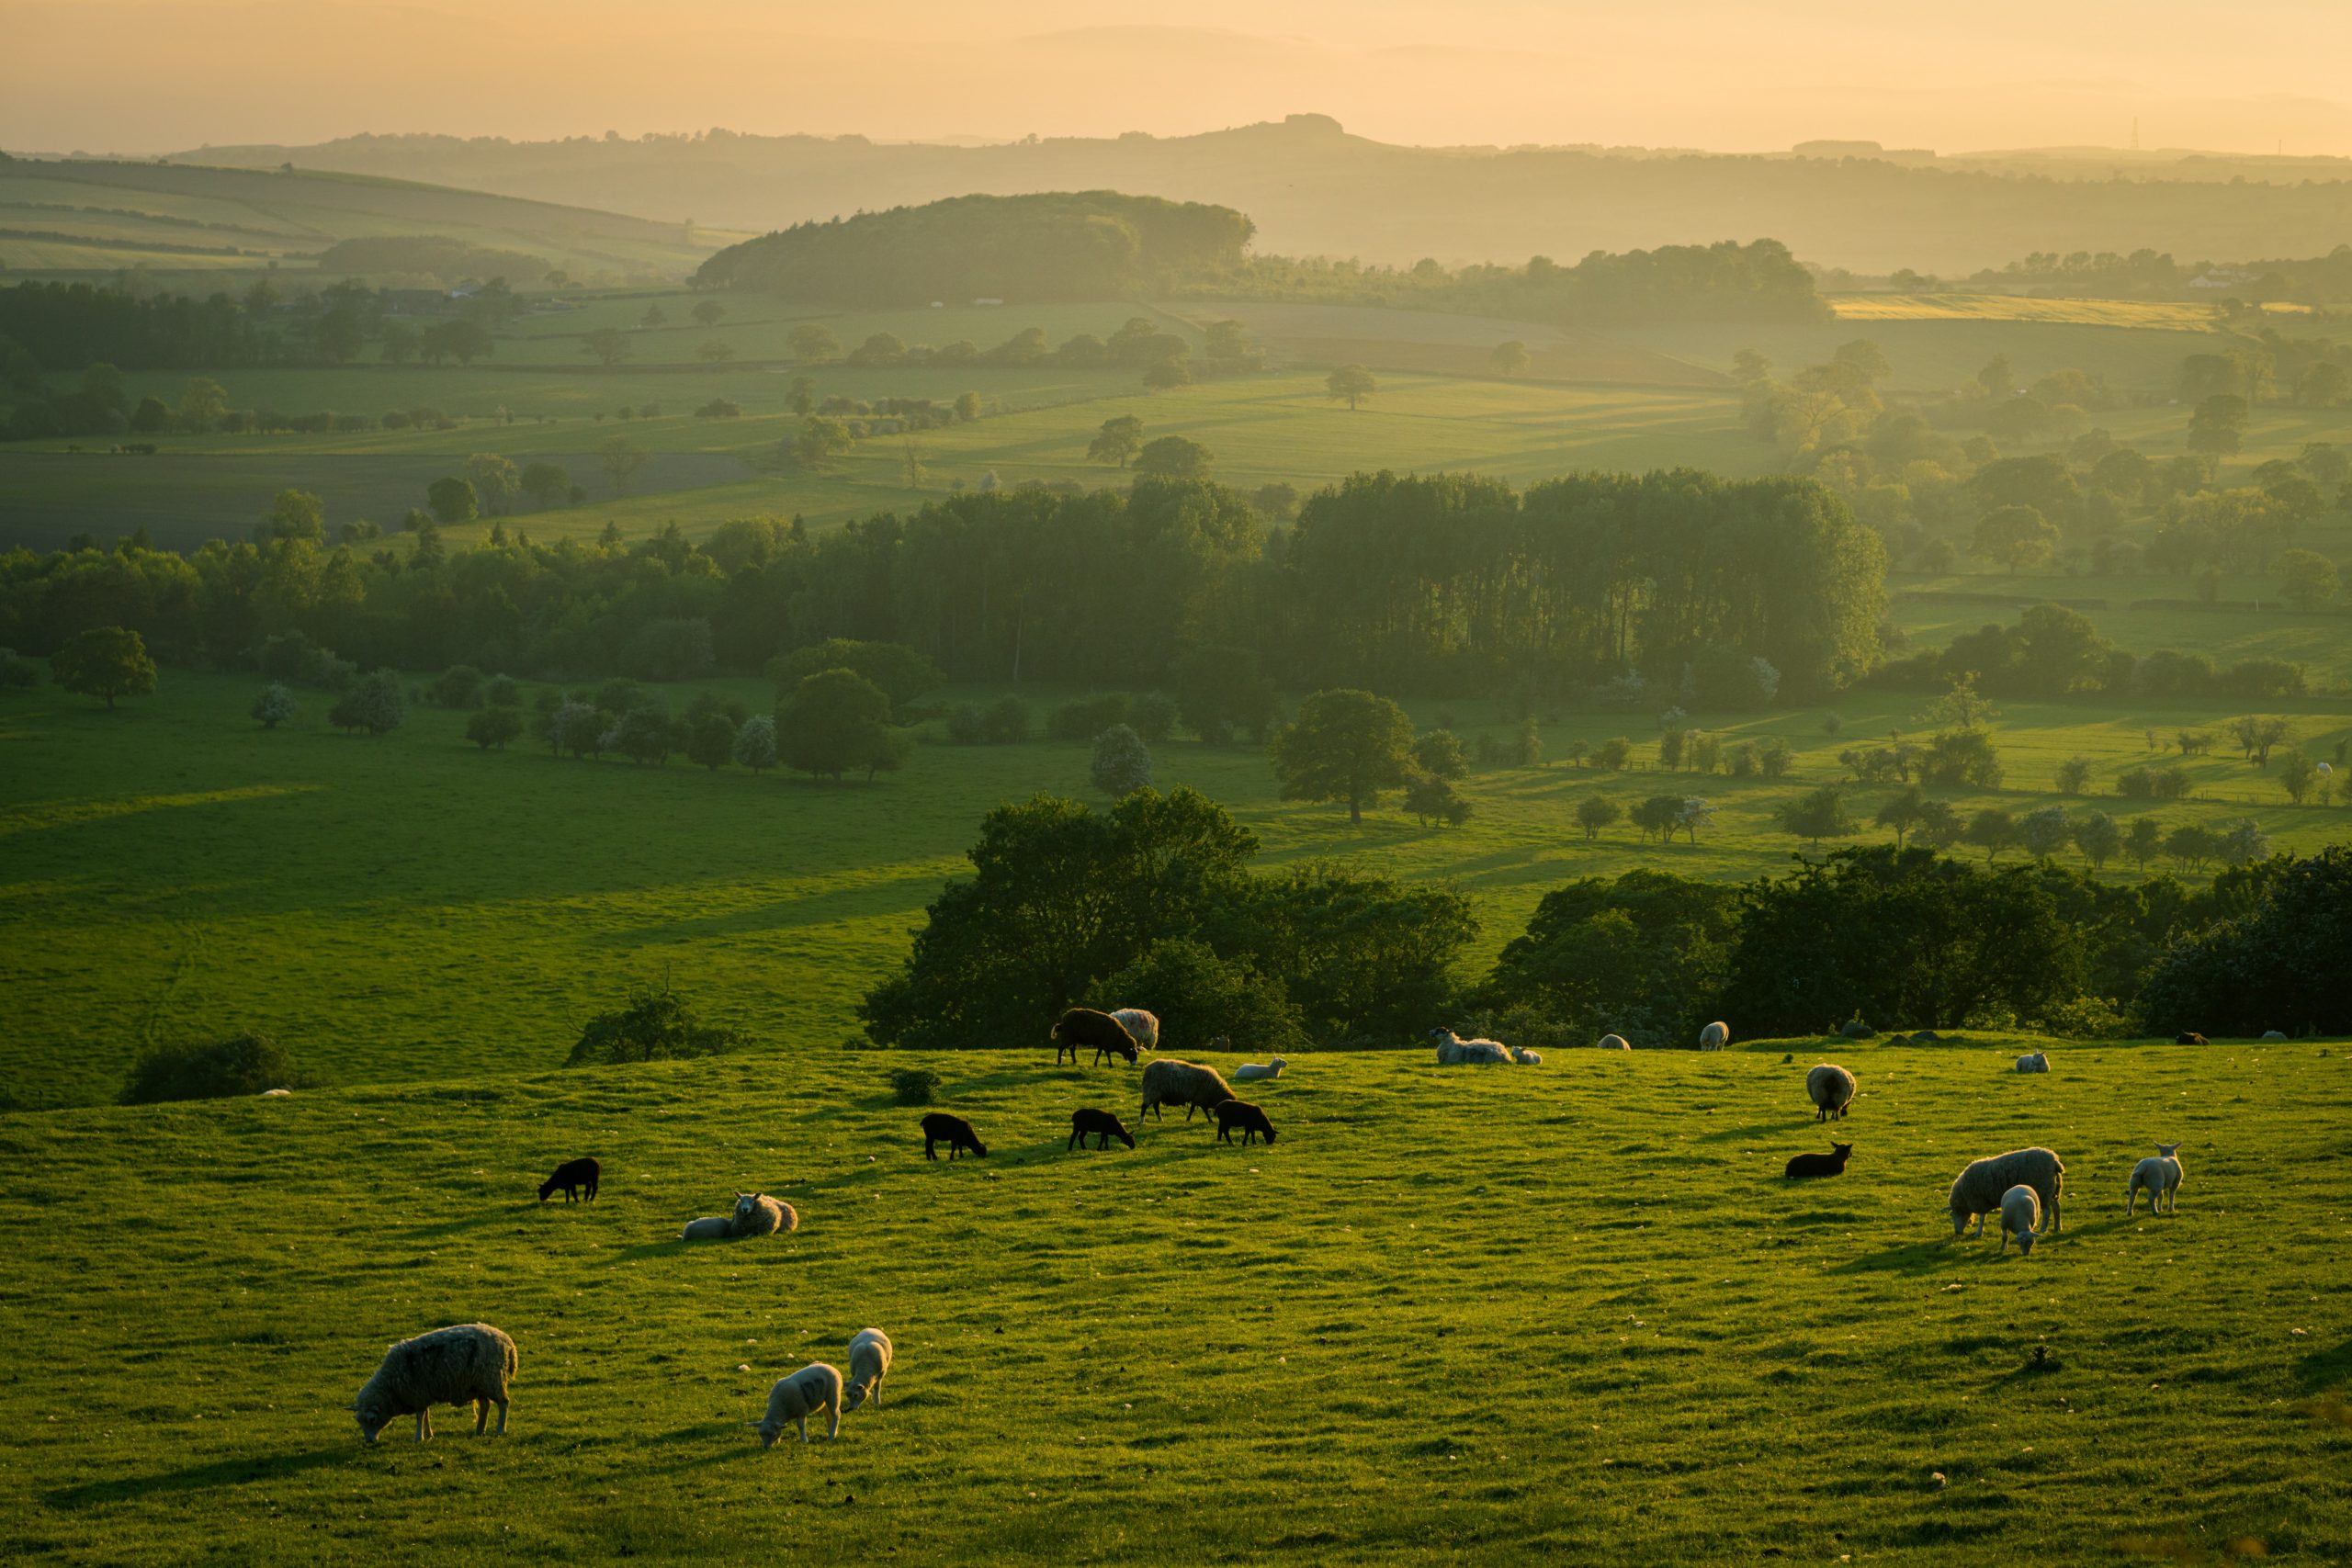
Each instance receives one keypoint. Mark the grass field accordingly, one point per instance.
(2180, 316)
(403, 907)
(1569, 1312)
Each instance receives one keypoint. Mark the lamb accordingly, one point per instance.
(2160, 1174)
(1613, 1043)
(1170, 1082)
(1831, 1090)
(1525, 1057)
(954, 1132)
(2020, 1213)
(1251, 1119)
(1252, 1072)
(1100, 1123)
(815, 1387)
(1978, 1189)
(1453, 1051)
(1142, 1027)
(1831, 1163)
(756, 1213)
(2034, 1062)
(2274, 1037)
(1715, 1037)
(869, 1363)
(570, 1176)
(469, 1364)
(710, 1227)
(2189, 1037)
(1081, 1027)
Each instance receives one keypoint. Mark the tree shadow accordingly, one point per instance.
(2326, 1369)
(197, 1478)
(1908, 1257)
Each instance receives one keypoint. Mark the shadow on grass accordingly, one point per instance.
(196, 1478)
(1911, 1258)
(2324, 1368)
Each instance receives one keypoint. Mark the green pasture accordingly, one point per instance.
(1565, 1312)
(407, 906)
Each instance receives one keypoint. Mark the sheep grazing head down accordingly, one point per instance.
(373, 1418)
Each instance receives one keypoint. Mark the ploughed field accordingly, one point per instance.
(1453, 1313)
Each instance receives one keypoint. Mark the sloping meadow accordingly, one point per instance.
(1450, 1312)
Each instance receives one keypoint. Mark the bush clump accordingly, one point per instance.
(656, 1026)
(915, 1085)
(221, 1069)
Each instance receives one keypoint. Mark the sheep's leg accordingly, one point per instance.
(877, 1391)
(833, 1428)
(1071, 1145)
(803, 1420)
(501, 1415)
(926, 1150)
(423, 1425)
(481, 1415)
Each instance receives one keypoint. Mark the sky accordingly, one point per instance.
(139, 77)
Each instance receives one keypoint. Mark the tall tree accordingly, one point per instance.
(1344, 746)
(1350, 384)
(104, 661)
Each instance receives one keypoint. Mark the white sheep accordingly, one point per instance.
(710, 1227)
(274, 1093)
(1831, 1090)
(756, 1213)
(2160, 1174)
(1715, 1037)
(1142, 1027)
(1977, 1191)
(2034, 1062)
(1613, 1043)
(1453, 1051)
(869, 1363)
(469, 1364)
(1250, 1072)
(815, 1387)
(1525, 1057)
(2273, 1037)
(2021, 1216)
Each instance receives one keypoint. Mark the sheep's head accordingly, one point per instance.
(745, 1203)
(2169, 1151)
(1843, 1151)
(854, 1397)
(372, 1418)
(2025, 1243)
(769, 1431)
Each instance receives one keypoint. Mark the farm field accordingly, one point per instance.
(1091, 1346)
(408, 906)
(2181, 316)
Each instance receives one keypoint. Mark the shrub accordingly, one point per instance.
(245, 1065)
(1431, 798)
(373, 706)
(901, 672)
(755, 743)
(1089, 717)
(1612, 755)
(967, 725)
(501, 692)
(655, 1026)
(495, 726)
(710, 739)
(1006, 721)
(915, 1085)
(1122, 763)
(1153, 716)
(719, 408)
(458, 686)
(274, 706)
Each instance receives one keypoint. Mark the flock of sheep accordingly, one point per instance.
(473, 1363)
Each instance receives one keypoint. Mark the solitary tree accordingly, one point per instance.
(1350, 384)
(2099, 838)
(1992, 830)
(453, 500)
(2298, 775)
(712, 350)
(1817, 815)
(2144, 840)
(833, 721)
(1904, 813)
(2046, 831)
(620, 458)
(104, 661)
(1117, 441)
(609, 344)
(374, 705)
(706, 312)
(494, 478)
(1345, 746)
(494, 726)
(802, 397)
(755, 743)
(2307, 580)
(822, 438)
(202, 404)
(1595, 812)
(811, 343)
(1508, 359)
(1173, 457)
(1167, 375)
(547, 483)
(1122, 763)
(275, 705)
(2218, 424)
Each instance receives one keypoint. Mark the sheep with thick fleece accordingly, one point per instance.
(2021, 1214)
(1715, 1037)
(814, 1388)
(1525, 1057)
(1252, 1072)
(469, 1364)
(1453, 1051)
(1978, 1189)
(869, 1363)
(756, 1213)
(1170, 1082)
(1142, 1027)
(1831, 1090)
(1613, 1043)
(2159, 1175)
(710, 1227)
(2034, 1062)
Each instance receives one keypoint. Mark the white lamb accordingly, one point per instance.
(815, 1387)
(1250, 1072)
(2034, 1062)
(1525, 1057)
(869, 1363)
(2020, 1215)
(2160, 1174)
(1715, 1037)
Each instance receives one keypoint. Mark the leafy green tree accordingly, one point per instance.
(802, 397)
(901, 672)
(1509, 358)
(400, 342)
(374, 705)
(1595, 812)
(494, 480)
(711, 741)
(607, 345)
(711, 351)
(1165, 375)
(1992, 830)
(1122, 763)
(1428, 799)
(1439, 753)
(1817, 815)
(1612, 755)
(2015, 537)
(2099, 838)
(494, 726)
(2144, 840)
(1350, 384)
(1344, 746)
(1117, 441)
(452, 498)
(878, 349)
(1173, 457)
(812, 345)
(1219, 690)
(546, 483)
(275, 705)
(1642, 955)
(1278, 501)
(2298, 775)
(833, 721)
(463, 340)
(967, 407)
(2217, 426)
(2074, 776)
(1198, 995)
(706, 312)
(104, 661)
(2045, 832)
(621, 459)
(755, 743)
(821, 439)
(295, 515)
(1904, 813)
(203, 404)
(228, 1069)
(656, 1026)
(2307, 580)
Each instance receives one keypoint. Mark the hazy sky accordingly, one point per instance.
(149, 75)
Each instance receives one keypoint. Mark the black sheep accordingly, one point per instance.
(570, 1176)
(1232, 1113)
(1101, 1122)
(1831, 1163)
(2190, 1037)
(1081, 1027)
(954, 1131)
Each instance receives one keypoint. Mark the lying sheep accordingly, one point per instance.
(2189, 1037)
(571, 1176)
(1251, 1119)
(1453, 1051)
(756, 1213)
(815, 1387)
(2021, 1216)
(1101, 1125)
(1715, 1037)
(469, 1364)
(1525, 1057)
(1252, 1072)
(2160, 1174)
(1170, 1082)
(1831, 1163)
(1978, 1189)
(710, 1227)
(2034, 1062)
(1082, 1027)
(1613, 1043)
(954, 1132)
(2274, 1037)
(1831, 1090)
(869, 1363)
(1142, 1027)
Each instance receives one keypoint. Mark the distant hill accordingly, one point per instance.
(1316, 190)
(66, 216)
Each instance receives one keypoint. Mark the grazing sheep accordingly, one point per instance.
(469, 1364)
(1101, 1124)
(2021, 1216)
(815, 1387)
(2189, 1037)
(2273, 1037)
(710, 1227)
(1250, 1072)
(756, 1213)
(1081, 1027)
(2034, 1062)
(954, 1132)
(1251, 1119)
(571, 1176)
(1453, 1051)
(1170, 1082)
(1831, 1090)
(1978, 1189)
(273, 1093)
(1525, 1057)
(1613, 1043)
(869, 1363)
(1831, 1163)
(1715, 1037)
(2160, 1174)
(1855, 1029)
(1142, 1027)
